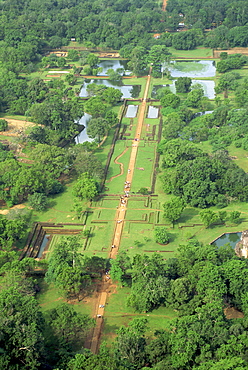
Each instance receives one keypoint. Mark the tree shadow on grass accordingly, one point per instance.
(172, 237)
(50, 204)
(187, 215)
(138, 244)
(110, 329)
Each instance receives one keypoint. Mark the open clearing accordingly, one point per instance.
(16, 127)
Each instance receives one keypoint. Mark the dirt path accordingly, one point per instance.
(164, 5)
(120, 220)
(16, 126)
(6, 211)
(121, 165)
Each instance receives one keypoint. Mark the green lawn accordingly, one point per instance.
(144, 167)
(117, 314)
(49, 298)
(197, 53)
(60, 208)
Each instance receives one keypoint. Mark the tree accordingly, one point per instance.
(173, 125)
(3, 125)
(233, 61)
(143, 191)
(161, 235)
(52, 158)
(87, 162)
(180, 293)
(65, 268)
(94, 264)
(177, 151)
(67, 328)
(183, 84)
(21, 330)
(111, 95)
(119, 266)
(12, 229)
(138, 60)
(92, 60)
(173, 209)
(208, 217)
(73, 55)
(95, 107)
(85, 187)
(39, 134)
(194, 98)
(38, 201)
(170, 100)
(235, 217)
(228, 81)
(111, 117)
(149, 281)
(97, 128)
(130, 342)
(158, 54)
(114, 75)
(187, 40)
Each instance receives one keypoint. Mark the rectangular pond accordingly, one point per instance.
(207, 85)
(113, 64)
(131, 111)
(43, 245)
(152, 112)
(192, 69)
(128, 91)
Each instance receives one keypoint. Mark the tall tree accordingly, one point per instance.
(173, 209)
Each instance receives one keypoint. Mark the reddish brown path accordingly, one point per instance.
(164, 5)
(93, 342)
(121, 211)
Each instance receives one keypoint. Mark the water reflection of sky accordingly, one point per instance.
(113, 64)
(152, 112)
(128, 91)
(82, 137)
(192, 69)
(207, 85)
(43, 245)
(131, 111)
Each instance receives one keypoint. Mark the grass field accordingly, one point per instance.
(197, 53)
(144, 167)
(117, 313)
(49, 298)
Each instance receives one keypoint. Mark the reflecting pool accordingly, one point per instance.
(230, 238)
(128, 91)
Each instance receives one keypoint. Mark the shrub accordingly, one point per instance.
(38, 201)
(143, 191)
(161, 235)
(3, 125)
